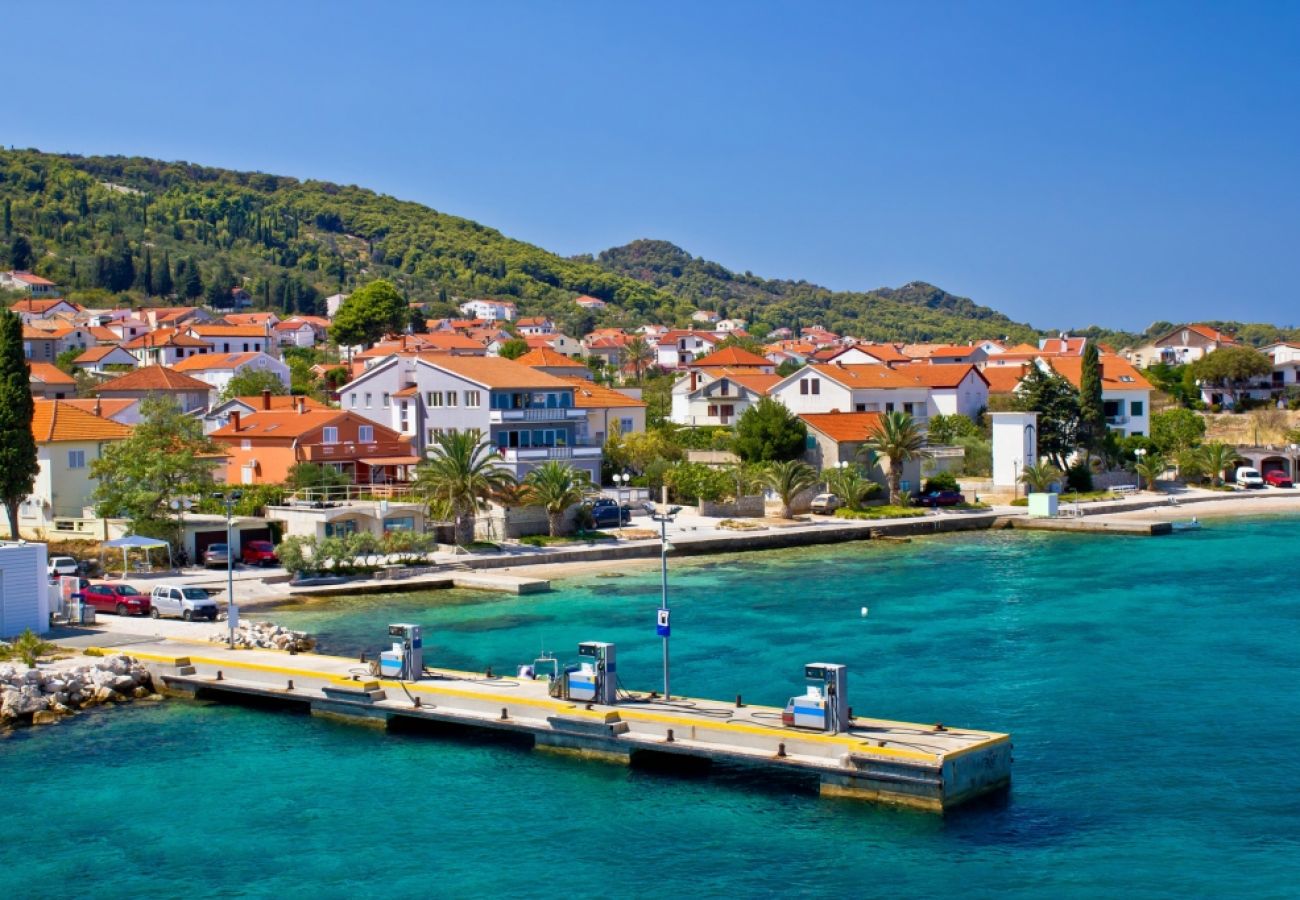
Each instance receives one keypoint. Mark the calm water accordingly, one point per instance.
(1151, 685)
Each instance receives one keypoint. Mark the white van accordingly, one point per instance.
(186, 602)
(1249, 478)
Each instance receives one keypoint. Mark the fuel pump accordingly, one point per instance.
(406, 660)
(825, 704)
(595, 678)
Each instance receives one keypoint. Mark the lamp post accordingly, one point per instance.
(232, 611)
(663, 518)
(620, 484)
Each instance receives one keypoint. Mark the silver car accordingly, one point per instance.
(216, 555)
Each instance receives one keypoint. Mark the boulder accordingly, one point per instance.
(45, 717)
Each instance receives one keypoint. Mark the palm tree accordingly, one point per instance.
(639, 354)
(897, 437)
(1040, 476)
(788, 480)
(851, 485)
(1151, 466)
(556, 486)
(465, 471)
(1215, 458)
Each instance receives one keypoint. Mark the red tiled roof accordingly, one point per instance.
(843, 426)
(732, 356)
(163, 337)
(280, 423)
(1117, 374)
(153, 378)
(55, 420)
(208, 362)
(546, 358)
(29, 278)
(496, 372)
(49, 374)
(587, 395)
(1004, 379)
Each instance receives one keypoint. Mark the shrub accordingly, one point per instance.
(1079, 477)
(694, 483)
(979, 455)
(880, 512)
(941, 481)
(28, 647)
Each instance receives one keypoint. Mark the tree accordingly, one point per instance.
(1175, 430)
(639, 355)
(514, 348)
(1057, 405)
(18, 459)
(251, 383)
(1230, 369)
(788, 480)
(1039, 477)
(943, 430)
(851, 485)
(305, 475)
(788, 367)
(1151, 466)
(1215, 459)
(20, 253)
(897, 437)
(166, 457)
(64, 360)
(769, 432)
(192, 283)
(555, 486)
(1092, 413)
(369, 313)
(8, 217)
(465, 471)
(163, 285)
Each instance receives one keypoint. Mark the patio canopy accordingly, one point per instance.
(141, 542)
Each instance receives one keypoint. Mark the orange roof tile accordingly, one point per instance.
(55, 420)
(282, 402)
(758, 382)
(732, 356)
(587, 395)
(495, 372)
(50, 374)
(280, 423)
(843, 426)
(153, 378)
(546, 358)
(96, 353)
(1004, 379)
(1117, 374)
(938, 375)
(29, 278)
(252, 331)
(106, 407)
(163, 337)
(208, 362)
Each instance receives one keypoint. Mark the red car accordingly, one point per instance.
(116, 598)
(259, 553)
(1277, 478)
(941, 498)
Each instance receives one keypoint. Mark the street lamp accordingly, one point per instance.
(620, 483)
(663, 517)
(179, 507)
(232, 611)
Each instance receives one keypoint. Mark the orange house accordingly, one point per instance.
(263, 446)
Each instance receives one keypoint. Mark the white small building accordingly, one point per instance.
(24, 589)
(1015, 446)
(489, 310)
(217, 369)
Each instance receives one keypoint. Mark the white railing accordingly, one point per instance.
(535, 414)
(545, 454)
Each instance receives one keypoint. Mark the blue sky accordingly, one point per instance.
(1068, 164)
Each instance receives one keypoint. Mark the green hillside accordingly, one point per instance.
(914, 312)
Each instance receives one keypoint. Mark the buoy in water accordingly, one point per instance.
(864, 612)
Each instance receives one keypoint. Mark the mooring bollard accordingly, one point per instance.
(416, 700)
(739, 702)
(670, 737)
(219, 675)
(504, 714)
(290, 684)
(780, 750)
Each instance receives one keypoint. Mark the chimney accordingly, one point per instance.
(234, 419)
(98, 408)
(301, 403)
(266, 398)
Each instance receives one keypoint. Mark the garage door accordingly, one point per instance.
(204, 539)
(253, 534)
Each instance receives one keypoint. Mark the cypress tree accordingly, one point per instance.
(146, 274)
(164, 287)
(1092, 412)
(20, 253)
(18, 463)
(193, 281)
(9, 216)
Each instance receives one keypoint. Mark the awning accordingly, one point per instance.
(391, 460)
(136, 540)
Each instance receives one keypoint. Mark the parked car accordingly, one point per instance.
(606, 513)
(216, 555)
(1278, 478)
(639, 507)
(186, 602)
(259, 553)
(62, 565)
(116, 598)
(1249, 478)
(941, 498)
(826, 504)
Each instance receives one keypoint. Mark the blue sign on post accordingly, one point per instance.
(661, 625)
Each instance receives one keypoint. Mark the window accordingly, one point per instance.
(245, 444)
(435, 398)
(387, 399)
(352, 399)
(713, 410)
(368, 396)
(803, 385)
(625, 426)
(366, 434)
(889, 406)
(1135, 408)
(473, 399)
(816, 385)
(451, 398)
(330, 434)
(860, 407)
(76, 459)
(245, 347)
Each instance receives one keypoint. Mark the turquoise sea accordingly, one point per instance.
(1152, 686)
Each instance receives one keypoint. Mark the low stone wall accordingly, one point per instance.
(751, 507)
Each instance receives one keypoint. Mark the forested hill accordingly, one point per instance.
(914, 312)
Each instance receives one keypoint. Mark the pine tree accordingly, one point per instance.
(193, 282)
(164, 285)
(9, 216)
(18, 462)
(20, 253)
(1092, 412)
(146, 274)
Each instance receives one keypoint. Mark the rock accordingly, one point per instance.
(140, 691)
(123, 684)
(104, 694)
(44, 717)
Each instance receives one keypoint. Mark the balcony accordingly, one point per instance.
(351, 450)
(1117, 420)
(546, 454)
(534, 414)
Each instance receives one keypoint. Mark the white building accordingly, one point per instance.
(24, 589)
(717, 397)
(488, 310)
(921, 391)
(40, 288)
(68, 441)
(1125, 394)
(217, 369)
(678, 349)
(234, 338)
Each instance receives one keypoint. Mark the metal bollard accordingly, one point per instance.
(670, 737)
(219, 675)
(780, 750)
(504, 714)
(739, 702)
(290, 684)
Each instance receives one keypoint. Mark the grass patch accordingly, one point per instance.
(545, 540)
(880, 512)
(979, 504)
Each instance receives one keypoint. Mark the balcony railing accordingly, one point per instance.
(351, 450)
(1117, 420)
(535, 414)
(545, 454)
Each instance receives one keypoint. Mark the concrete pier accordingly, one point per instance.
(1095, 525)
(923, 766)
